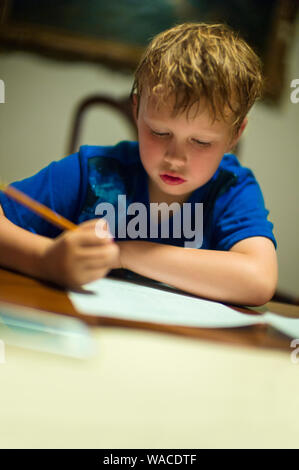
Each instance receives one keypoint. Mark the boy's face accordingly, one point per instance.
(180, 154)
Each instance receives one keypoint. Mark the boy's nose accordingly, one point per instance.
(175, 157)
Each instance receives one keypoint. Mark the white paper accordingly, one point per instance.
(288, 326)
(126, 300)
(118, 298)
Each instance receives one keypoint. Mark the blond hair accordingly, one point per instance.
(195, 61)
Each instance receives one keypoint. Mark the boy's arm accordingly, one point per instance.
(247, 274)
(73, 258)
(19, 248)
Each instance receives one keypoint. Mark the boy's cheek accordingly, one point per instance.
(147, 138)
(150, 148)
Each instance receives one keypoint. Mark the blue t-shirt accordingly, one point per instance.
(88, 184)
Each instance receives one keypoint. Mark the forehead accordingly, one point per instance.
(161, 111)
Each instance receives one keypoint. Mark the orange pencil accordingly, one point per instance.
(38, 208)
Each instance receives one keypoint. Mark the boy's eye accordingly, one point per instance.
(159, 134)
(200, 142)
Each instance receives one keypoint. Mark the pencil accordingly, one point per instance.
(38, 208)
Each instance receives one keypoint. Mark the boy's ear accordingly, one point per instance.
(242, 127)
(135, 106)
(236, 138)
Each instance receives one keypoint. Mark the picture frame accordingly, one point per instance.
(90, 31)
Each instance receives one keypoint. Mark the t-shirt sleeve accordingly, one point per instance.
(240, 213)
(57, 186)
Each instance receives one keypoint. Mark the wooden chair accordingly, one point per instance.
(122, 105)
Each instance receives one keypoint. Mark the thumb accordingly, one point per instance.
(102, 229)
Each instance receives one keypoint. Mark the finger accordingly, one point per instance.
(96, 252)
(87, 224)
(99, 226)
(89, 239)
(102, 229)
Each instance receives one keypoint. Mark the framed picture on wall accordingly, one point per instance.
(117, 31)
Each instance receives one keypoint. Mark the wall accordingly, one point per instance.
(270, 148)
(41, 96)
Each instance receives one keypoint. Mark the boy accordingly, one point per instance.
(192, 92)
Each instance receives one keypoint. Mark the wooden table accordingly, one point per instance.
(147, 389)
(19, 289)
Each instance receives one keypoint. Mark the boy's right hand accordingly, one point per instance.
(79, 256)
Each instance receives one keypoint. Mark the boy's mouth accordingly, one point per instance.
(169, 179)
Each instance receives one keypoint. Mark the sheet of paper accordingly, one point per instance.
(288, 326)
(126, 300)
